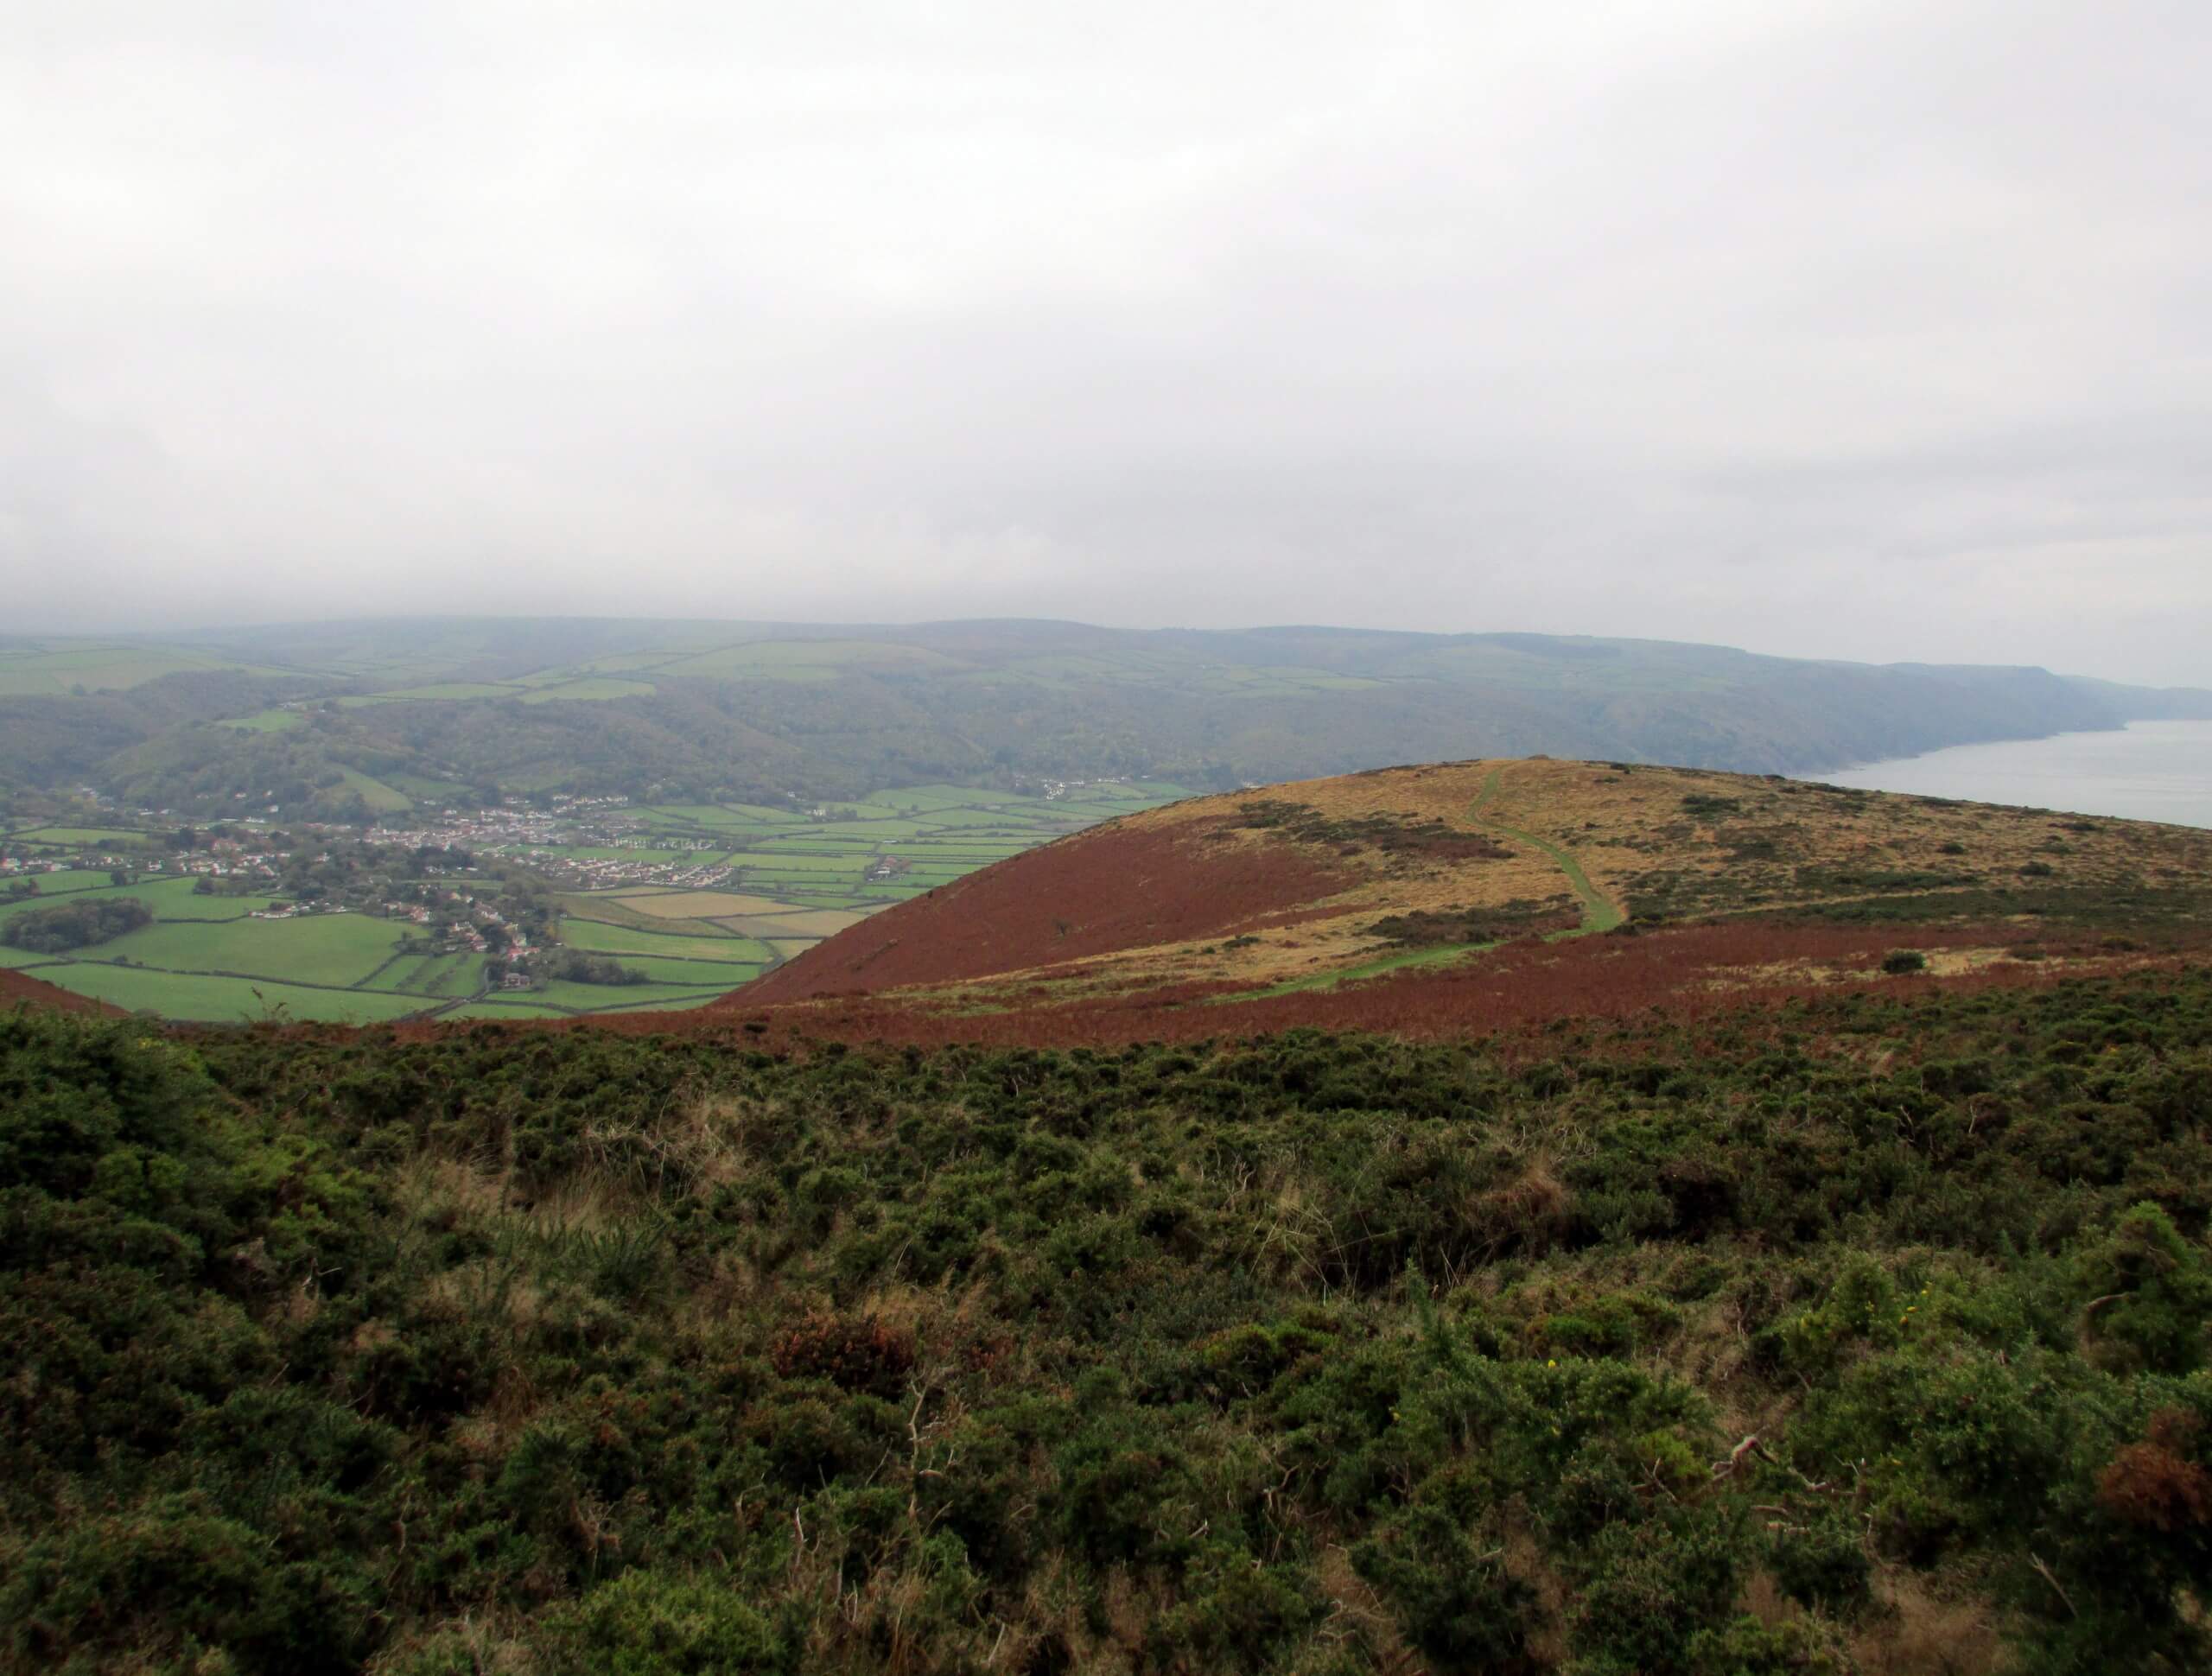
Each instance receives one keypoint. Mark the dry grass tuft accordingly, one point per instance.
(1920, 1633)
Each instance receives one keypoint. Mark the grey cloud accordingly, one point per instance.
(1865, 329)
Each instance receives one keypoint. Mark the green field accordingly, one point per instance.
(181, 995)
(150, 894)
(850, 864)
(176, 899)
(432, 974)
(792, 869)
(338, 949)
(80, 837)
(55, 668)
(589, 689)
(68, 880)
(596, 937)
(425, 790)
(380, 798)
(439, 689)
(506, 1010)
(805, 660)
(797, 880)
(682, 1003)
(596, 997)
(264, 721)
(723, 975)
(204, 956)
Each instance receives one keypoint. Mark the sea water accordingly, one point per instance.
(2148, 770)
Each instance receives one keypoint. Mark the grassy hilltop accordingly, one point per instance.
(1533, 1217)
(1454, 898)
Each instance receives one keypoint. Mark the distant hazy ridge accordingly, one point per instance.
(831, 710)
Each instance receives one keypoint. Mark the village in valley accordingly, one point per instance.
(549, 905)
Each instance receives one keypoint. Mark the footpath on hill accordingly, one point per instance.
(1599, 912)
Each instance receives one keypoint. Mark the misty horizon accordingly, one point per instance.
(216, 633)
(1841, 331)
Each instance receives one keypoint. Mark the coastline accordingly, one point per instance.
(2155, 770)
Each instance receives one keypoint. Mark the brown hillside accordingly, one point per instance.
(1252, 895)
(17, 988)
(1128, 885)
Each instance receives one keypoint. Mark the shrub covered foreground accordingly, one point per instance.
(1862, 1337)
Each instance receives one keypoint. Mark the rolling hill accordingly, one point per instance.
(318, 716)
(1450, 896)
(1527, 1216)
(1547, 1218)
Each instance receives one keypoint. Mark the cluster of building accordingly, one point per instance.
(226, 859)
(546, 838)
(1058, 791)
(459, 921)
(19, 866)
(502, 827)
(599, 873)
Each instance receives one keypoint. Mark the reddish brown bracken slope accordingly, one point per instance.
(16, 988)
(1129, 885)
(1464, 897)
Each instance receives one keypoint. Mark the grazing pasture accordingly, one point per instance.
(53, 668)
(80, 837)
(381, 799)
(264, 721)
(222, 999)
(598, 936)
(799, 877)
(338, 949)
(789, 880)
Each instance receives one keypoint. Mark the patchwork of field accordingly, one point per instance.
(392, 680)
(208, 959)
(795, 879)
(380, 676)
(71, 839)
(48, 669)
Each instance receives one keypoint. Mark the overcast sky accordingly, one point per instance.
(1828, 326)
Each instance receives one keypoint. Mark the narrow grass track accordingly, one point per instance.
(1599, 912)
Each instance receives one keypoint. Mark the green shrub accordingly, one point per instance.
(657, 1624)
(486, 1351)
(1460, 1608)
(1658, 1592)
(2153, 1294)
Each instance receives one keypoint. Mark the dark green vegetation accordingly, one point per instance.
(75, 924)
(571, 966)
(1851, 1335)
(1424, 928)
(350, 721)
(1393, 834)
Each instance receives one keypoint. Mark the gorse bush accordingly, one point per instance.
(1708, 1348)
